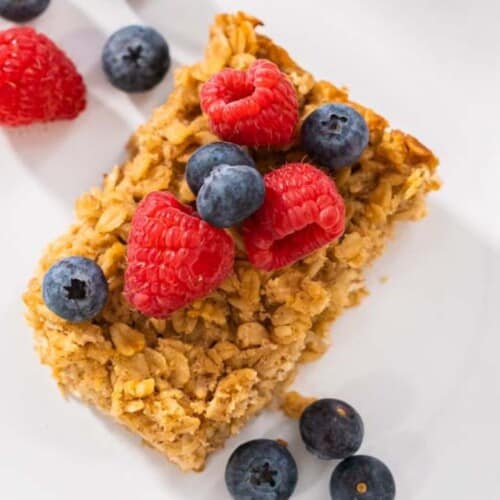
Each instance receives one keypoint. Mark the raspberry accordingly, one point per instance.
(257, 107)
(302, 212)
(173, 256)
(38, 82)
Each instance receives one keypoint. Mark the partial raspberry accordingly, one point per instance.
(302, 212)
(173, 257)
(257, 107)
(38, 82)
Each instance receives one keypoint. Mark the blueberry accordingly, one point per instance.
(261, 469)
(21, 11)
(362, 478)
(75, 289)
(136, 58)
(331, 429)
(204, 159)
(335, 135)
(230, 194)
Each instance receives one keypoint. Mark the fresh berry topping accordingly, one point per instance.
(174, 257)
(21, 11)
(75, 289)
(261, 469)
(136, 58)
(230, 194)
(257, 107)
(204, 159)
(362, 478)
(38, 82)
(302, 212)
(331, 429)
(335, 135)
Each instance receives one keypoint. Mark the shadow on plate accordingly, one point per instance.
(70, 157)
(174, 480)
(143, 102)
(74, 31)
(146, 102)
(87, 42)
(171, 18)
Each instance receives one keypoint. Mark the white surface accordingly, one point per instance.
(419, 358)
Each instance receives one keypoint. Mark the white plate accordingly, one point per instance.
(419, 358)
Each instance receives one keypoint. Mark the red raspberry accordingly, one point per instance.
(257, 107)
(173, 257)
(302, 212)
(38, 82)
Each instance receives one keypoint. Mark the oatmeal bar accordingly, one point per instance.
(188, 383)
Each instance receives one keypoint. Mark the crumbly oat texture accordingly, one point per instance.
(293, 404)
(187, 383)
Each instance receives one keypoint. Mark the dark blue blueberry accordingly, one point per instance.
(136, 58)
(75, 289)
(204, 159)
(261, 470)
(230, 194)
(21, 11)
(335, 135)
(362, 478)
(331, 429)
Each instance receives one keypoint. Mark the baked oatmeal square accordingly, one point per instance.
(187, 383)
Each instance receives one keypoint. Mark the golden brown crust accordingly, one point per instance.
(187, 383)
